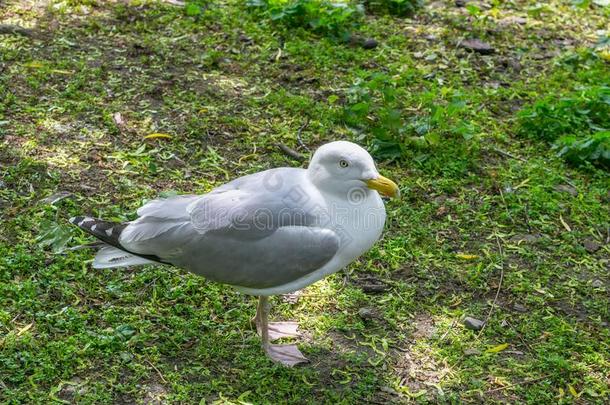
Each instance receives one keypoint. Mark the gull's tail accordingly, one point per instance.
(111, 254)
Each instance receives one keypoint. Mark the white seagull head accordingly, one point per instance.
(338, 167)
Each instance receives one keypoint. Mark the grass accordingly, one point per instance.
(494, 226)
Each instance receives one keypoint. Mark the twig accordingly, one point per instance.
(568, 181)
(344, 281)
(533, 380)
(299, 140)
(507, 154)
(505, 204)
(493, 304)
(15, 29)
(448, 330)
(158, 372)
(527, 218)
(290, 152)
(520, 336)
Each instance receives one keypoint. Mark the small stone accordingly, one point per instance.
(512, 21)
(597, 283)
(246, 39)
(366, 313)
(126, 356)
(390, 390)
(440, 199)
(591, 245)
(471, 352)
(476, 45)
(566, 188)
(59, 128)
(473, 323)
(441, 211)
(369, 43)
(71, 388)
(504, 323)
(513, 64)
(460, 3)
(519, 308)
(117, 117)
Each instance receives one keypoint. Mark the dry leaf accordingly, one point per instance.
(497, 349)
(38, 65)
(157, 135)
(522, 184)
(565, 225)
(573, 391)
(466, 256)
(61, 72)
(34, 64)
(25, 329)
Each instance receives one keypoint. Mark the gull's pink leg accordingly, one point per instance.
(288, 355)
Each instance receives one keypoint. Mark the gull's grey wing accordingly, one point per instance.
(259, 203)
(289, 253)
(259, 231)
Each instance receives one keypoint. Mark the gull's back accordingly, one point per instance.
(259, 231)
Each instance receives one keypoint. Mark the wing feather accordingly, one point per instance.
(259, 231)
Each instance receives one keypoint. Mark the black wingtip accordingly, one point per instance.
(80, 221)
(108, 232)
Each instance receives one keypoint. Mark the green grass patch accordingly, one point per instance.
(576, 123)
(485, 209)
(337, 20)
(377, 105)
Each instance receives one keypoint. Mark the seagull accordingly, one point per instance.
(267, 233)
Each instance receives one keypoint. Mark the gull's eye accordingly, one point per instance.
(343, 163)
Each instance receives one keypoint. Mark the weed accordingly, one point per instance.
(335, 20)
(593, 148)
(576, 124)
(378, 105)
(583, 111)
(399, 8)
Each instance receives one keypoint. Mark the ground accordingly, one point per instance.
(494, 227)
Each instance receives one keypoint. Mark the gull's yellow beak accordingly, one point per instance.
(385, 186)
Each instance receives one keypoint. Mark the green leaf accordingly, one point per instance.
(473, 9)
(54, 235)
(192, 9)
(433, 138)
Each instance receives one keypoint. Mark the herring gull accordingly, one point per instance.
(267, 233)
